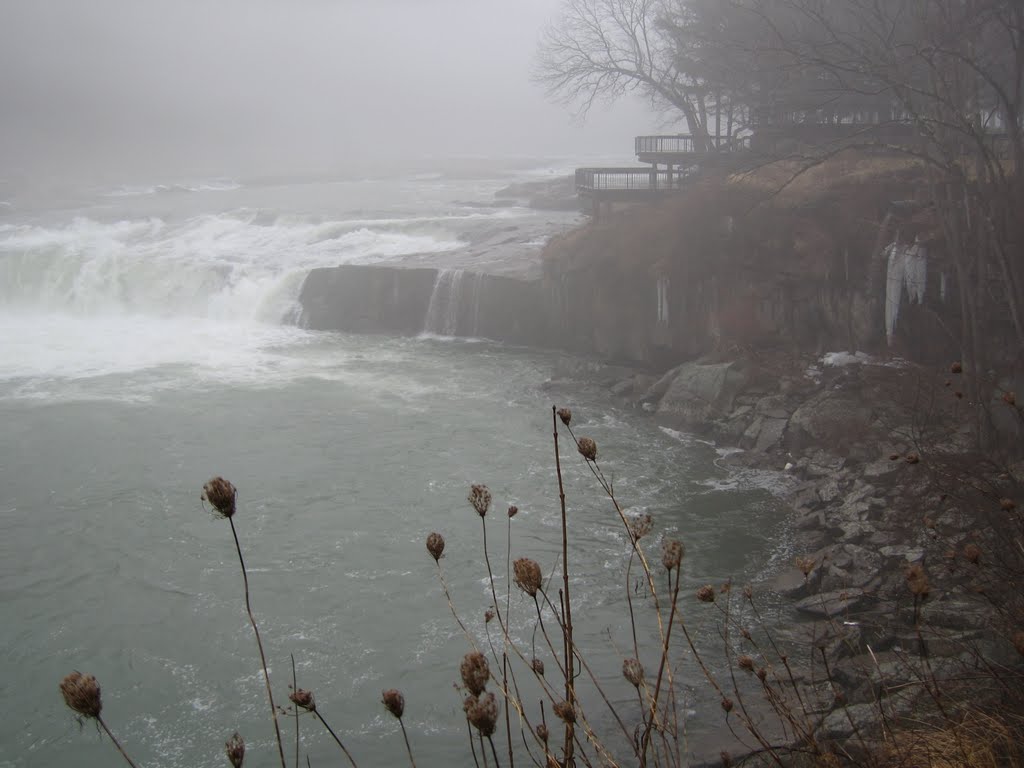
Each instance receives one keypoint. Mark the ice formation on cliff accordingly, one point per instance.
(908, 266)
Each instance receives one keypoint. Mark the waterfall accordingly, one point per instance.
(454, 307)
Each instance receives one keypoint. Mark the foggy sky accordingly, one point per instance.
(135, 88)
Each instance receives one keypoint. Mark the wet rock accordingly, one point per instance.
(763, 434)
(698, 393)
(830, 418)
(836, 604)
(845, 722)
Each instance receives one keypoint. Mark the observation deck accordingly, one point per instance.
(681, 155)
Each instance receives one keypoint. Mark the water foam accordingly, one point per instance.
(213, 293)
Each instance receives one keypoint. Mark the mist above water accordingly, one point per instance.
(114, 89)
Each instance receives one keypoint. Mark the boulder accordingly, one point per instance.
(698, 393)
(831, 418)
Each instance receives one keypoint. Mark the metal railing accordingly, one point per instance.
(625, 179)
(684, 143)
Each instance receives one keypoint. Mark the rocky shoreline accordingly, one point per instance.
(872, 509)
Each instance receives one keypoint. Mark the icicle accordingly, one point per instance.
(916, 271)
(893, 288)
(908, 267)
(663, 300)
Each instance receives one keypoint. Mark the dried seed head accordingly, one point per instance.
(972, 553)
(912, 458)
(538, 666)
(82, 694)
(726, 759)
(748, 591)
(706, 594)
(303, 699)
(672, 552)
(527, 575)
(565, 712)
(727, 705)
(394, 702)
(235, 749)
(956, 367)
(1007, 505)
(745, 633)
(435, 545)
(746, 663)
(639, 525)
(762, 673)
(482, 712)
(221, 494)
(806, 565)
(1010, 398)
(1018, 642)
(488, 615)
(565, 415)
(480, 498)
(513, 510)
(587, 448)
(475, 672)
(542, 733)
(894, 457)
(917, 580)
(633, 671)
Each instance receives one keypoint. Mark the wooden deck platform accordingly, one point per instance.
(679, 156)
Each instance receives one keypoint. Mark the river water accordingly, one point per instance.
(147, 342)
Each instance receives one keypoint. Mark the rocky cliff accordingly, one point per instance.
(725, 267)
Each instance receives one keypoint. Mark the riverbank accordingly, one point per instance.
(900, 527)
(720, 326)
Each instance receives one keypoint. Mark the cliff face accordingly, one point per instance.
(409, 301)
(726, 267)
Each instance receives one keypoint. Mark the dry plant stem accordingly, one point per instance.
(490, 579)
(451, 607)
(835, 690)
(472, 746)
(515, 701)
(335, 736)
(590, 673)
(493, 750)
(295, 687)
(645, 741)
(544, 632)
(595, 470)
(784, 658)
(259, 644)
(117, 744)
(504, 689)
(504, 653)
(629, 602)
(718, 689)
(408, 749)
(740, 699)
(570, 693)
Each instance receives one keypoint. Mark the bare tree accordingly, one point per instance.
(603, 49)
